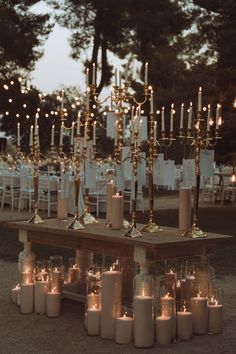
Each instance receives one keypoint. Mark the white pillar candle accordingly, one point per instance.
(41, 289)
(18, 134)
(208, 117)
(117, 211)
(163, 330)
(124, 330)
(93, 321)
(14, 293)
(27, 298)
(62, 207)
(53, 303)
(184, 325)
(52, 134)
(56, 280)
(184, 209)
(143, 321)
(94, 132)
(163, 119)
(110, 302)
(31, 136)
(111, 190)
(73, 274)
(182, 116)
(172, 118)
(200, 314)
(146, 74)
(72, 134)
(215, 313)
(61, 133)
(190, 116)
(199, 103)
(182, 289)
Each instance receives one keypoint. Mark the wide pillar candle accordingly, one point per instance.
(73, 275)
(62, 207)
(163, 329)
(110, 302)
(143, 321)
(215, 319)
(200, 314)
(184, 325)
(117, 211)
(184, 209)
(27, 298)
(124, 330)
(41, 289)
(53, 304)
(93, 321)
(56, 280)
(111, 190)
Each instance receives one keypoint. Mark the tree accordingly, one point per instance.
(22, 34)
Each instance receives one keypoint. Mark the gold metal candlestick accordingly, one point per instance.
(151, 226)
(135, 155)
(75, 224)
(36, 219)
(200, 139)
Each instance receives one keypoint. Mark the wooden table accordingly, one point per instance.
(99, 239)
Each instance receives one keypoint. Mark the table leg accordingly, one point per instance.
(27, 258)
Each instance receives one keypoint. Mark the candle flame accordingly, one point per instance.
(233, 178)
(184, 308)
(220, 121)
(167, 294)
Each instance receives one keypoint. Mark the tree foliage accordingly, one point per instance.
(22, 35)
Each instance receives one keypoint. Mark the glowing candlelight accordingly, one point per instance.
(208, 117)
(217, 115)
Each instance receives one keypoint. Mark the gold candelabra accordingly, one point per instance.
(201, 138)
(35, 155)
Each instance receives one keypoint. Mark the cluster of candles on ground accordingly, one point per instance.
(177, 313)
(40, 288)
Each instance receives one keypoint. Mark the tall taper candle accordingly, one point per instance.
(61, 133)
(18, 134)
(208, 117)
(172, 118)
(78, 123)
(31, 135)
(217, 115)
(146, 74)
(94, 132)
(52, 134)
(163, 119)
(72, 134)
(199, 104)
(182, 116)
(155, 134)
(151, 103)
(94, 74)
(190, 115)
(87, 78)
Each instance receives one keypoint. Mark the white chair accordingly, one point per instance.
(10, 189)
(46, 193)
(128, 199)
(98, 195)
(26, 189)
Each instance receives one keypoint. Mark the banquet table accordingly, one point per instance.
(97, 238)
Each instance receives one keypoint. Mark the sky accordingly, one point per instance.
(56, 68)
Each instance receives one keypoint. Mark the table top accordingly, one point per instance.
(98, 237)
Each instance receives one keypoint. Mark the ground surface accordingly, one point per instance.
(39, 334)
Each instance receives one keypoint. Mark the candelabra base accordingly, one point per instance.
(35, 219)
(75, 224)
(194, 232)
(133, 232)
(87, 218)
(151, 227)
